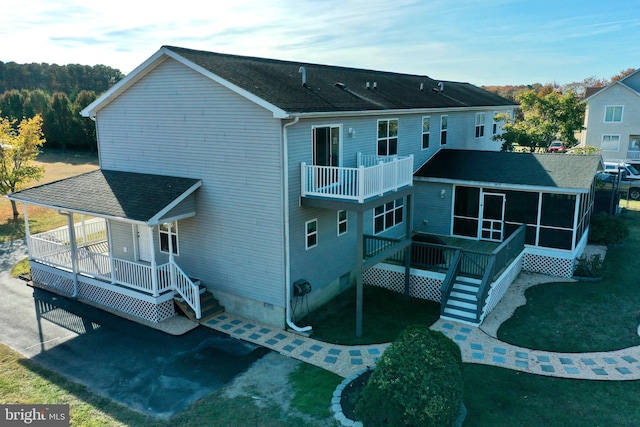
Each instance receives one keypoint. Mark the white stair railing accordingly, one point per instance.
(182, 284)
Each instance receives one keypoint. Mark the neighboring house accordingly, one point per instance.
(612, 120)
(261, 181)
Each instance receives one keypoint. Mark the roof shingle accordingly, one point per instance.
(135, 196)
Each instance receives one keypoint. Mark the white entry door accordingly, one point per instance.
(144, 243)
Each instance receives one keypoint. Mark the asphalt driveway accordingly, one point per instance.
(142, 368)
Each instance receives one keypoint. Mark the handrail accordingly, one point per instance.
(449, 279)
(185, 287)
(500, 258)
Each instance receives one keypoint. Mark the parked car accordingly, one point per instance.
(556, 147)
(627, 187)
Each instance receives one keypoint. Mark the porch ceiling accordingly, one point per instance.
(123, 195)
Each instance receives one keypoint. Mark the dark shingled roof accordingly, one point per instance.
(565, 171)
(134, 196)
(331, 88)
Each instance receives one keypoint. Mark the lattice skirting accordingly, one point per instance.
(421, 284)
(553, 266)
(105, 297)
(500, 286)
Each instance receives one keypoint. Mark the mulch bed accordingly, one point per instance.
(351, 394)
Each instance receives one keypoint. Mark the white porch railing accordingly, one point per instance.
(53, 248)
(374, 176)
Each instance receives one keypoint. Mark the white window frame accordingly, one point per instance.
(388, 208)
(311, 236)
(165, 232)
(444, 127)
(611, 138)
(426, 131)
(612, 109)
(342, 222)
(480, 121)
(388, 137)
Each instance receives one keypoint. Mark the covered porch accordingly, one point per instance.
(107, 253)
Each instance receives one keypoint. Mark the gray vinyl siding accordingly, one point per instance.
(122, 243)
(430, 207)
(175, 121)
(185, 207)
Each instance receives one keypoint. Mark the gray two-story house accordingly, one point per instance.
(258, 180)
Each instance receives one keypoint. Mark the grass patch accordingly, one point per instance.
(497, 397)
(313, 397)
(20, 268)
(57, 165)
(385, 315)
(558, 316)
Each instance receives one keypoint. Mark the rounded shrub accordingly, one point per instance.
(416, 382)
(607, 229)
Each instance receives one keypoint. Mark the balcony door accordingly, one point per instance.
(326, 152)
(326, 146)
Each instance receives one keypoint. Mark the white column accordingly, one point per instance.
(154, 269)
(74, 252)
(26, 229)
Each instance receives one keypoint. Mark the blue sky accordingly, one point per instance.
(482, 42)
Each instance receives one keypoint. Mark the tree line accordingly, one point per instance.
(57, 93)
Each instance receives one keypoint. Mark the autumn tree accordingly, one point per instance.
(18, 149)
(543, 117)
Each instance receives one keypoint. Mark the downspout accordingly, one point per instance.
(287, 255)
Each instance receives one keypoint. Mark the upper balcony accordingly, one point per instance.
(373, 177)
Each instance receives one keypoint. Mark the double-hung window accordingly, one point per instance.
(426, 131)
(165, 232)
(388, 137)
(388, 215)
(311, 233)
(613, 114)
(342, 222)
(479, 125)
(610, 143)
(444, 125)
(494, 130)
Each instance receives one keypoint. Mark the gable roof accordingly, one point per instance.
(122, 195)
(278, 85)
(501, 168)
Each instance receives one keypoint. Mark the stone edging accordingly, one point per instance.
(336, 407)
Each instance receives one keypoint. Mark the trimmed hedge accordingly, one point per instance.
(416, 382)
(607, 229)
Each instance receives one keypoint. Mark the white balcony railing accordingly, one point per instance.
(374, 176)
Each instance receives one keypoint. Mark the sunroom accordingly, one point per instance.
(488, 195)
(118, 247)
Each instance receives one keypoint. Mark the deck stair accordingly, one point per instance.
(462, 303)
(208, 305)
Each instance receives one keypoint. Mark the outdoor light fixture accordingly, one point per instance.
(352, 132)
(442, 193)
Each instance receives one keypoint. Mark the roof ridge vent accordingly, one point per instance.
(303, 71)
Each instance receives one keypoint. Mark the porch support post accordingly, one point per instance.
(359, 285)
(172, 269)
(154, 267)
(407, 251)
(74, 252)
(576, 219)
(110, 243)
(26, 230)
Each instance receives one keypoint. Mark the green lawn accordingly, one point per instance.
(585, 316)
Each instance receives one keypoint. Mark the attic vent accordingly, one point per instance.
(421, 87)
(340, 85)
(375, 85)
(303, 71)
(441, 86)
(368, 85)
